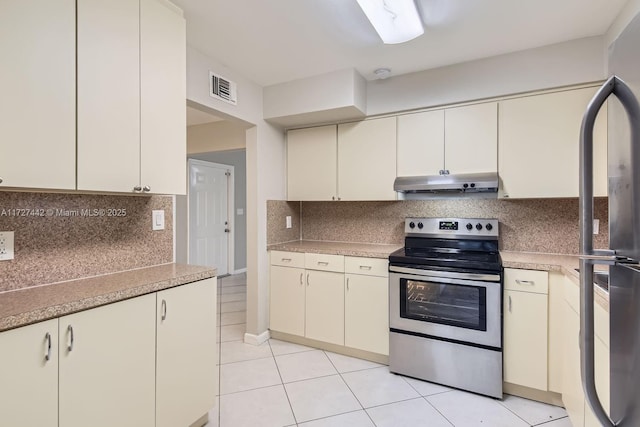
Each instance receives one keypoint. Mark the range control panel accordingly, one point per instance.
(451, 227)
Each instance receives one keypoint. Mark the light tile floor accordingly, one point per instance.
(279, 384)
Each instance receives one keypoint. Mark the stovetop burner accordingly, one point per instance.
(450, 244)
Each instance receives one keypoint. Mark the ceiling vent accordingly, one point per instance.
(222, 89)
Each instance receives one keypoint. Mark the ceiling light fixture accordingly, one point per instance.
(396, 21)
(382, 73)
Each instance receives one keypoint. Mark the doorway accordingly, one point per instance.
(211, 201)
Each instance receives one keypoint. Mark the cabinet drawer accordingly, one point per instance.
(366, 266)
(526, 280)
(324, 262)
(287, 259)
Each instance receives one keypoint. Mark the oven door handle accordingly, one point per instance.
(444, 274)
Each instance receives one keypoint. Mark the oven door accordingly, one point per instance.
(459, 307)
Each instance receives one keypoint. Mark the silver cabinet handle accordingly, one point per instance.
(525, 282)
(146, 188)
(619, 88)
(301, 274)
(347, 284)
(163, 310)
(365, 267)
(70, 332)
(333, 197)
(137, 189)
(0, 180)
(323, 263)
(509, 303)
(286, 260)
(47, 353)
(307, 279)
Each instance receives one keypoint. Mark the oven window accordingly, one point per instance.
(448, 304)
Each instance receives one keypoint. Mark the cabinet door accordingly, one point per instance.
(287, 306)
(525, 339)
(539, 148)
(325, 306)
(37, 83)
(186, 373)
(366, 318)
(471, 138)
(421, 143)
(163, 144)
(29, 391)
(107, 365)
(108, 95)
(312, 163)
(367, 160)
(572, 394)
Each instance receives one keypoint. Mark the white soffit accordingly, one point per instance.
(197, 117)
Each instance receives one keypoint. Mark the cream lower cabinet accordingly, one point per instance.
(366, 300)
(336, 299)
(186, 373)
(107, 365)
(572, 394)
(526, 328)
(29, 375)
(538, 148)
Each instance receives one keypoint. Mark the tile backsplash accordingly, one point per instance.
(533, 225)
(68, 236)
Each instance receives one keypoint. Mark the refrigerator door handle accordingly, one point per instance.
(614, 85)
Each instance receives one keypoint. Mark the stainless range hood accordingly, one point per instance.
(448, 184)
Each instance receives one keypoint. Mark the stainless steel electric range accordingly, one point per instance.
(445, 302)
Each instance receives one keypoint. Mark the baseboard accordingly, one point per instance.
(242, 270)
(549, 397)
(256, 339)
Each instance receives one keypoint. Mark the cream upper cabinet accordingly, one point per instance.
(471, 138)
(29, 375)
(421, 143)
(458, 140)
(539, 148)
(131, 97)
(186, 376)
(525, 328)
(107, 365)
(312, 161)
(108, 95)
(37, 83)
(367, 160)
(163, 94)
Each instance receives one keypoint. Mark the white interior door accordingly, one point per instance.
(209, 225)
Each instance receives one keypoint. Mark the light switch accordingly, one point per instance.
(158, 220)
(6, 245)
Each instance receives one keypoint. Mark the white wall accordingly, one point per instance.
(266, 170)
(577, 61)
(216, 136)
(625, 16)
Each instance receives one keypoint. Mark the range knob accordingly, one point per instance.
(465, 185)
(420, 225)
(412, 225)
(469, 226)
(489, 227)
(478, 226)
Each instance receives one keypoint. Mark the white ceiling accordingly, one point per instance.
(275, 41)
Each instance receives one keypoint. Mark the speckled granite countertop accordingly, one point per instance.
(369, 250)
(26, 306)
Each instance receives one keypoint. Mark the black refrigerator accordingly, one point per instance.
(621, 91)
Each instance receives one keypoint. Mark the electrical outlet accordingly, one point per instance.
(596, 226)
(6, 245)
(158, 220)
(288, 218)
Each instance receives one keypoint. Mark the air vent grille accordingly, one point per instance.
(222, 88)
